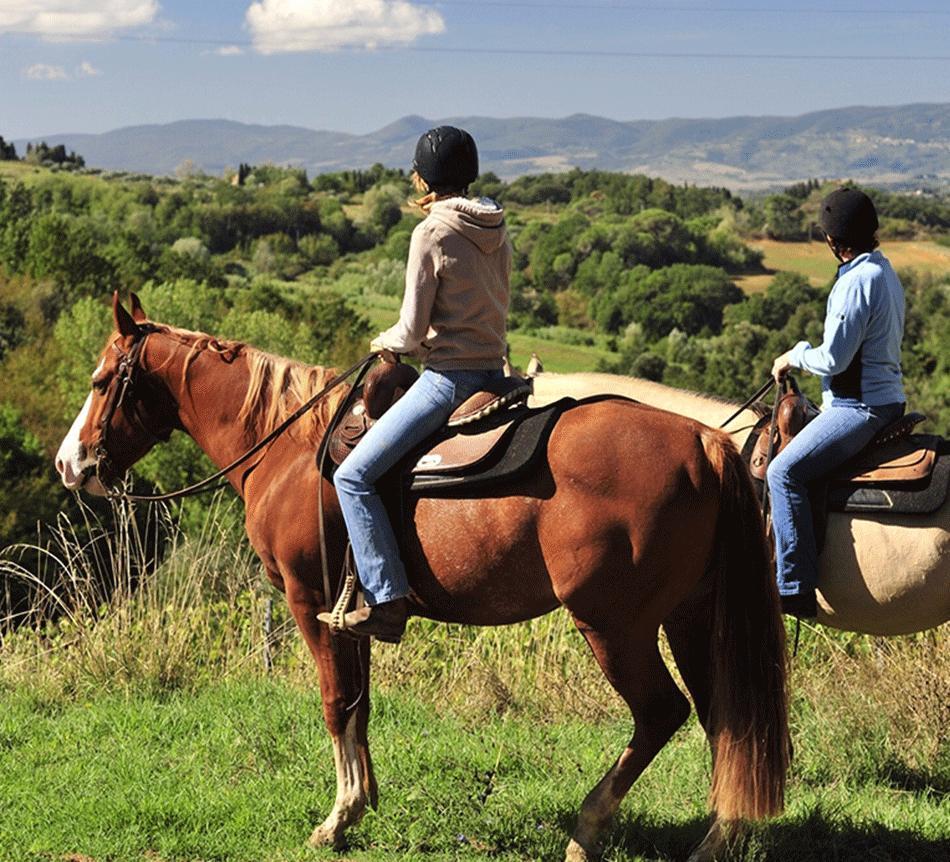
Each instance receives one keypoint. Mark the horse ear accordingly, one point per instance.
(123, 320)
(138, 314)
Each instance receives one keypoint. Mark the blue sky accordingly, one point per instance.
(355, 65)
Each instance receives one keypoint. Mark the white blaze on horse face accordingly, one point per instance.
(72, 459)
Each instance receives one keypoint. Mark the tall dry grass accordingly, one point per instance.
(142, 605)
(134, 602)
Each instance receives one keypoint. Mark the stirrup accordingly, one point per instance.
(336, 618)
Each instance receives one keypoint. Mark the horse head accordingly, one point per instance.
(125, 414)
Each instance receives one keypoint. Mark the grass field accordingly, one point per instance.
(241, 769)
(147, 730)
(814, 260)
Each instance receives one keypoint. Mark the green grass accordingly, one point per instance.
(242, 770)
(145, 728)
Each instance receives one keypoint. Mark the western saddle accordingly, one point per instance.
(456, 450)
(897, 471)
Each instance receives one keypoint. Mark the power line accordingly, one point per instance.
(641, 7)
(675, 55)
(538, 52)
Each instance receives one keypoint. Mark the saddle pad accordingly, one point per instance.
(917, 498)
(518, 448)
(907, 459)
(461, 451)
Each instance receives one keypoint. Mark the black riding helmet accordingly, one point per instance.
(447, 159)
(848, 217)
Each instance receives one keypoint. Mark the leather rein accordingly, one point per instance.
(121, 388)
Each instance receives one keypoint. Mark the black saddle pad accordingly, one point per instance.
(897, 498)
(521, 448)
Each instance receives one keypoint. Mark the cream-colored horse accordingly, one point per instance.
(885, 575)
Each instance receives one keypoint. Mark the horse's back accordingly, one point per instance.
(624, 488)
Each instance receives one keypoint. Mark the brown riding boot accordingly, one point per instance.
(385, 622)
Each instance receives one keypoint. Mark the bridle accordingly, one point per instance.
(120, 389)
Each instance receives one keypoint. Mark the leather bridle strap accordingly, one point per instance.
(118, 390)
(209, 483)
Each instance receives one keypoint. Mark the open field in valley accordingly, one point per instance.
(813, 260)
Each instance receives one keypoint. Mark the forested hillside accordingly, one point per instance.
(638, 272)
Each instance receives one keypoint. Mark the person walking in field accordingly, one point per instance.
(859, 361)
(453, 318)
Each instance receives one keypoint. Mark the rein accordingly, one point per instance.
(122, 385)
(120, 388)
(788, 385)
(758, 394)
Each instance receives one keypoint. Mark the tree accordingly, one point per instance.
(12, 325)
(67, 250)
(783, 218)
(29, 493)
(786, 293)
(43, 154)
(688, 297)
(7, 151)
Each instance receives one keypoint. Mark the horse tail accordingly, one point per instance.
(749, 707)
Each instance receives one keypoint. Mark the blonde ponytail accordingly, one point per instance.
(428, 197)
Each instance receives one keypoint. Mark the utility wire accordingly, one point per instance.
(675, 55)
(641, 7)
(530, 52)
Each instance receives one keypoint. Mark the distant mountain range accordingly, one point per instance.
(906, 145)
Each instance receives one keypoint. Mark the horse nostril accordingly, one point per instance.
(60, 466)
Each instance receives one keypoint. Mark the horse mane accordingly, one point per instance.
(759, 408)
(276, 386)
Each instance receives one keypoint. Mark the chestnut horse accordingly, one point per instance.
(637, 518)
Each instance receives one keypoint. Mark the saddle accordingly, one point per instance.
(898, 471)
(492, 435)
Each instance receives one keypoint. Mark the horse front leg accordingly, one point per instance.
(343, 669)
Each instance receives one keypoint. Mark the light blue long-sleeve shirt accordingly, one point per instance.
(865, 312)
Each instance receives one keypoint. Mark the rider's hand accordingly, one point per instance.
(781, 366)
(377, 346)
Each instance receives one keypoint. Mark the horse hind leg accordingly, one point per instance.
(634, 668)
(689, 633)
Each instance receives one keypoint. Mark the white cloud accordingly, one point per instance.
(74, 18)
(45, 72)
(325, 25)
(229, 50)
(87, 70)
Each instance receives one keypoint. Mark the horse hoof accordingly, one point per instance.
(324, 836)
(576, 853)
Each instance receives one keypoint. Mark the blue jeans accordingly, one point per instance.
(424, 409)
(831, 438)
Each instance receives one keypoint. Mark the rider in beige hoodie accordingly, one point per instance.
(453, 319)
(456, 301)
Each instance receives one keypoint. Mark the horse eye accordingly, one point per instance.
(100, 385)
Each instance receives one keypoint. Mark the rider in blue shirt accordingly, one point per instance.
(859, 364)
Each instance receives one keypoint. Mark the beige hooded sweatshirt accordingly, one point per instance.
(457, 288)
